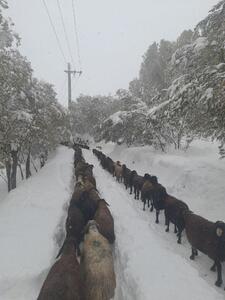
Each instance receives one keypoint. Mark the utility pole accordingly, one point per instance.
(69, 72)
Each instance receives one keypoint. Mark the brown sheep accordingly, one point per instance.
(80, 169)
(108, 165)
(207, 237)
(77, 156)
(64, 278)
(136, 182)
(75, 224)
(174, 212)
(80, 187)
(126, 173)
(97, 265)
(146, 191)
(118, 171)
(105, 221)
(85, 197)
(158, 196)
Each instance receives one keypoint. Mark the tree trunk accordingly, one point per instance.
(14, 154)
(28, 171)
(8, 173)
(21, 171)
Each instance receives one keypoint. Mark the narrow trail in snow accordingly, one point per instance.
(148, 261)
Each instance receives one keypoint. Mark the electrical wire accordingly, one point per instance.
(54, 30)
(65, 32)
(76, 34)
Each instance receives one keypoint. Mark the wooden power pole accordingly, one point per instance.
(70, 72)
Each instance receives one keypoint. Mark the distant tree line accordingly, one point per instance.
(177, 97)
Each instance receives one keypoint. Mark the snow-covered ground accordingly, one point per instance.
(149, 262)
(31, 227)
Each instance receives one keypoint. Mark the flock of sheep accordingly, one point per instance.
(203, 235)
(85, 268)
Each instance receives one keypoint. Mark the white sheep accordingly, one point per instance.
(97, 265)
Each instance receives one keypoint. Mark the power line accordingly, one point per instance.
(54, 30)
(76, 33)
(65, 32)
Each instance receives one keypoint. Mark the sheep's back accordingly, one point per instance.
(97, 268)
(201, 234)
(146, 188)
(63, 281)
(106, 223)
(159, 195)
(138, 181)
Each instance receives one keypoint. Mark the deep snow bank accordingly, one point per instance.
(149, 263)
(195, 176)
(30, 220)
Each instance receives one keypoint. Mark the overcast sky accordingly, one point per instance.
(114, 34)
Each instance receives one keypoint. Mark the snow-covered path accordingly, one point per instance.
(31, 222)
(149, 263)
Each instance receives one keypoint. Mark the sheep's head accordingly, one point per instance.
(92, 225)
(220, 230)
(133, 173)
(147, 176)
(154, 180)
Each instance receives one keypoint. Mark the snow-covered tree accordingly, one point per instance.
(31, 120)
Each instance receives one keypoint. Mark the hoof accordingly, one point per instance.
(218, 283)
(192, 257)
(178, 242)
(157, 222)
(151, 210)
(143, 209)
(167, 230)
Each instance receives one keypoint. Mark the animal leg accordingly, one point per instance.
(193, 250)
(144, 202)
(167, 222)
(168, 225)
(179, 237)
(138, 192)
(151, 209)
(219, 273)
(130, 189)
(157, 217)
(175, 228)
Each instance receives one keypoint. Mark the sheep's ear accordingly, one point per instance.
(105, 202)
(60, 250)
